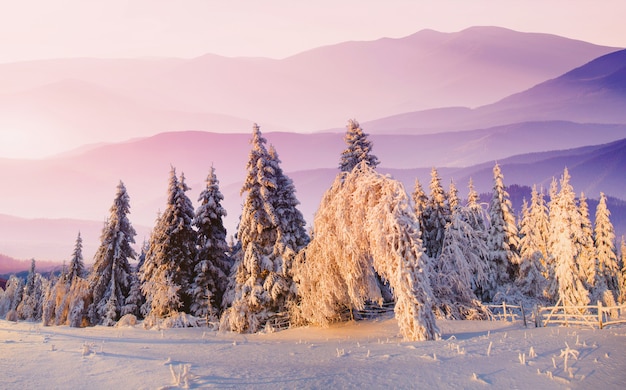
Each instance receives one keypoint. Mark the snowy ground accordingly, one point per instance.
(365, 354)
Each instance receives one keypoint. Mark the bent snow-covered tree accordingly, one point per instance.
(366, 225)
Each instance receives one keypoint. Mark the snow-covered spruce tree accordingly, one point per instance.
(435, 216)
(48, 306)
(604, 239)
(365, 225)
(11, 298)
(135, 299)
(56, 306)
(292, 234)
(453, 197)
(28, 307)
(622, 296)
(57, 302)
(583, 239)
(212, 261)
(271, 232)
(359, 148)
(541, 230)
(420, 200)
(460, 270)
(474, 212)
(80, 299)
(77, 266)
(502, 238)
(571, 290)
(167, 273)
(109, 280)
(553, 286)
(531, 279)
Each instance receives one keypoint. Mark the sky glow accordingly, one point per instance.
(40, 29)
(36, 29)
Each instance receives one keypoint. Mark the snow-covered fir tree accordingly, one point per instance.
(604, 238)
(570, 289)
(168, 270)
(435, 216)
(135, 298)
(474, 212)
(553, 194)
(80, 299)
(583, 239)
(213, 263)
(30, 306)
(13, 292)
(502, 236)
(453, 197)
(48, 307)
(110, 278)
(622, 296)
(460, 270)
(54, 311)
(541, 231)
(420, 200)
(77, 266)
(365, 225)
(292, 234)
(531, 279)
(359, 148)
(270, 233)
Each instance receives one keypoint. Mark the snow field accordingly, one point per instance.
(364, 354)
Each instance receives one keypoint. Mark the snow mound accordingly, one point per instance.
(127, 320)
(175, 320)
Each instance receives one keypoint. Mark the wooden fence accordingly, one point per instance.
(591, 315)
(507, 312)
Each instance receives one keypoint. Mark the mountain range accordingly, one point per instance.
(313, 90)
(563, 96)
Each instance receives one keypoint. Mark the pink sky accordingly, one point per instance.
(43, 29)
(34, 29)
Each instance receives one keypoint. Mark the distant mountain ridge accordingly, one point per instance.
(592, 93)
(9, 265)
(82, 185)
(313, 90)
(543, 136)
(593, 169)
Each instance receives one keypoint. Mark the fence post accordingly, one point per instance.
(600, 314)
(523, 314)
(537, 316)
(504, 310)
